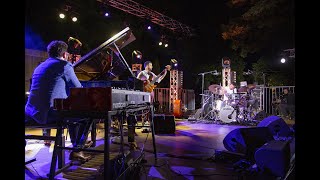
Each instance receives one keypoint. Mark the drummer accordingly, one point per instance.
(243, 87)
(229, 90)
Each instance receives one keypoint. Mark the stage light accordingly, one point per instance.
(283, 60)
(160, 43)
(149, 27)
(175, 64)
(74, 19)
(27, 93)
(138, 54)
(174, 61)
(166, 45)
(61, 15)
(106, 14)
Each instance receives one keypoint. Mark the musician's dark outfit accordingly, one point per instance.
(287, 105)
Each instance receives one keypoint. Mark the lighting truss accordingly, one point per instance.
(141, 11)
(291, 52)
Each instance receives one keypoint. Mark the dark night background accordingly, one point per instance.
(196, 54)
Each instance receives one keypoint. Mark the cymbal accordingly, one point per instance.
(251, 86)
(214, 88)
(204, 95)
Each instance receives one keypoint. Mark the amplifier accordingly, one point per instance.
(164, 124)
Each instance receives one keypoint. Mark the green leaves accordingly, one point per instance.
(258, 23)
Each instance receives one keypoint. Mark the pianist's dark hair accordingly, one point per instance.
(146, 63)
(56, 48)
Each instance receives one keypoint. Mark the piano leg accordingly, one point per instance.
(152, 131)
(106, 145)
(94, 133)
(121, 134)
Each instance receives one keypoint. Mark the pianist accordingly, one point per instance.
(51, 80)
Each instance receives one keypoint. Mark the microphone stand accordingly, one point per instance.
(202, 86)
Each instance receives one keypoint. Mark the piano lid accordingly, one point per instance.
(106, 61)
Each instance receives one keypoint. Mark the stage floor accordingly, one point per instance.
(183, 155)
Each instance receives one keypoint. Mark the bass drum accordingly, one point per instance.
(226, 116)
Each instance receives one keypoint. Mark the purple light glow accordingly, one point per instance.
(149, 27)
(175, 64)
(106, 14)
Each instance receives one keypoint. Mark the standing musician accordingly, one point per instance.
(149, 79)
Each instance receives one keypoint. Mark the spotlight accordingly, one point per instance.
(61, 15)
(149, 27)
(283, 60)
(175, 64)
(174, 61)
(106, 14)
(166, 45)
(160, 43)
(74, 19)
(138, 54)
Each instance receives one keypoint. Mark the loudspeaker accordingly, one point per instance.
(164, 124)
(274, 157)
(260, 116)
(247, 140)
(234, 142)
(276, 125)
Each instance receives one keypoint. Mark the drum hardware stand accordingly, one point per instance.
(202, 86)
(212, 114)
(246, 113)
(236, 108)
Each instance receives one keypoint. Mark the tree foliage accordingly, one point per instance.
(259, 69)
(238, 65)
(257, 24)
(279, 79)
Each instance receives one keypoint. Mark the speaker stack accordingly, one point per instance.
(164, 124)
(259, 146)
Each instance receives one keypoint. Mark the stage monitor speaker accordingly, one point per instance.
(247, 140)
(274, 158)
(164, 124)
(260, 116)
(276, 125)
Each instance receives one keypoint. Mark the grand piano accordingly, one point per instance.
(110, 88)
(108, 81)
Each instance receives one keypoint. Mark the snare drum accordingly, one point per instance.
(227, 114)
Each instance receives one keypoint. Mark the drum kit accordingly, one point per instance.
(238, 107)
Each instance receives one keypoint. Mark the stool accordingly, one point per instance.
(59, 139)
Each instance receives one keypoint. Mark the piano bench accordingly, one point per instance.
(59, 139)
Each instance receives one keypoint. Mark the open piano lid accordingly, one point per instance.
(106, 61)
